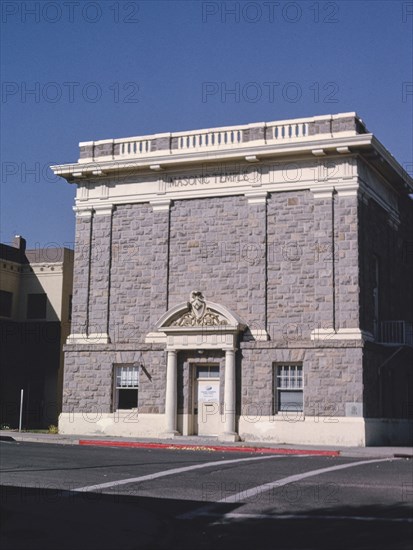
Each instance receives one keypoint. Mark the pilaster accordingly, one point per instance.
(160, 259)
(81, 274)
(256, 257)
(324, 259)
(100, 274)
(347, 260)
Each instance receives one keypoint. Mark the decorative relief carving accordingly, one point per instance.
(199, 315)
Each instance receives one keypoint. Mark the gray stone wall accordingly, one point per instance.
(208, 251)
(270, 263)
(131, 273)
(313, 271)
(332, 377)
(274, 264)
(89, 378)
(292, 250)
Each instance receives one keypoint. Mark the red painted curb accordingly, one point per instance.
(179, 446)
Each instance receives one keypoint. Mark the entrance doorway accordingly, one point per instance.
(206, 400)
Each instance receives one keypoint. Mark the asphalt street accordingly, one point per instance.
(74, 497)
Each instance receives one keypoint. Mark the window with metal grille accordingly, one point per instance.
(126, 387)
(288, 388)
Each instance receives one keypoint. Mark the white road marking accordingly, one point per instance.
(238, 497)
(243, 495)
(234, 515)
(171, 472)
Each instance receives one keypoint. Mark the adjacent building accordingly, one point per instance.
(35, 305)
(249, 282)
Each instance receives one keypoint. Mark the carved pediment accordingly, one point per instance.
(199, 313)
(209, 319)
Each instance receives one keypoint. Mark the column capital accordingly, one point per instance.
(257, 197)
(85, 213)
(103, 209)
(161, 205)
(323, 191)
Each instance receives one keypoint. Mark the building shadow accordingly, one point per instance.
(42, 518)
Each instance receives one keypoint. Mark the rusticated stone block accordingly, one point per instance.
(161, 144)
(86, 151)
(319, 127)
(103, 149)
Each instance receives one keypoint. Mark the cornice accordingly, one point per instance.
(84, 171)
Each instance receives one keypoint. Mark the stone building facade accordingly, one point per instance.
(249, 282)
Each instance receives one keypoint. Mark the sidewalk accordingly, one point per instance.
(208, 444)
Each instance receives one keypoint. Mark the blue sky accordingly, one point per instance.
(77, 71)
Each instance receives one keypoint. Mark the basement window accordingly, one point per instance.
(126, 387)
(288, 388)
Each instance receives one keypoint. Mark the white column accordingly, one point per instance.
(229, 398)
(171, 394)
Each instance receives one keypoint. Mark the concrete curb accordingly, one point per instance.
(193, 444)
(226, 448)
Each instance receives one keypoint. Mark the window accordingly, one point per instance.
(6, 301)
(36, 306)
(208, 372)
(126, 387)
(288, 390)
